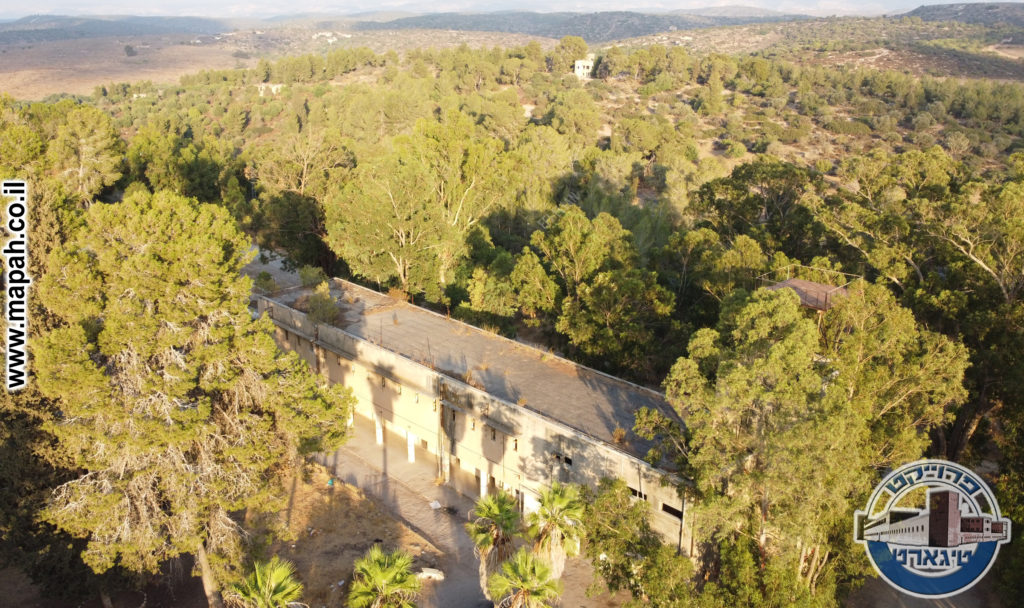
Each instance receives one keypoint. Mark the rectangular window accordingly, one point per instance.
(637, 493)
(674, 512)
(515, 445)
(568, 461)
(494, 435)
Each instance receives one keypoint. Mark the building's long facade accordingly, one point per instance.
(490, 412)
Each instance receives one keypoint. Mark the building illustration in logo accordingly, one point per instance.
(941, 525)
(932, 528)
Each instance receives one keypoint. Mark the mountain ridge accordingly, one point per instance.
(986, 13)
(593, 27)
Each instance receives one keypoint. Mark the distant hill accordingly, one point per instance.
(985, 13)
(734, 11)
(592, 27)
(380, 15)
(45, 28)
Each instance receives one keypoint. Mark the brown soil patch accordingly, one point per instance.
(1012, 51)
(33, 71)
(322, 531)
(329, 527)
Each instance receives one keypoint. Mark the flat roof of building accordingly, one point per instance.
(818, 296)
(580, 397)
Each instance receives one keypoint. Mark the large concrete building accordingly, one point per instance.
(489, 412)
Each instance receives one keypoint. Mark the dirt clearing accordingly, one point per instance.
(329, 527)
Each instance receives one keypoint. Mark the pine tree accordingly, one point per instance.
(86, 152)
(175, 404)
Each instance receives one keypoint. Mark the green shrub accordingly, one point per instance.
(311, 275)
(847, 127)
(265, 283)
(321, 307)
(733, 148)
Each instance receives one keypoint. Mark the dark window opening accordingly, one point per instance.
(637, 493)
(568, 461)
(494, 435)
(674, 512)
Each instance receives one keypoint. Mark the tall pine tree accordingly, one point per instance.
(175, 404)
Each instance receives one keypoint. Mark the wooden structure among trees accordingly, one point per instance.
(814, 294)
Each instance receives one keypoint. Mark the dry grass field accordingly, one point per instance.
(78, 66)
(34, 71)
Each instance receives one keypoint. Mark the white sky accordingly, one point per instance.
(267, 8)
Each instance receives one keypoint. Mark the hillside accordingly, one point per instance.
(741, 12)
(957, 49)
(46, 28)
(987, 13)
(592, 27)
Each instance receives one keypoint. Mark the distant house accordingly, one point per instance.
(273, 88)
(584, 68)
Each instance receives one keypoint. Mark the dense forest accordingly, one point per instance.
(628, 221)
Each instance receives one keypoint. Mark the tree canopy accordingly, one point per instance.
(183, 410)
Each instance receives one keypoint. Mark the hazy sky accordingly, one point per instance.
(266, 8)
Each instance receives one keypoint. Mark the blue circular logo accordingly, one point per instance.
(931, 528)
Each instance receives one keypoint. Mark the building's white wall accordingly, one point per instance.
(522, 450)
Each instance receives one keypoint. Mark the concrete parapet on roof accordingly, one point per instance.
(582, 398)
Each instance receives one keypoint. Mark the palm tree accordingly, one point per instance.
(524, 582)
(495, 522)
(557, 525)
(384, 580)
(270, 585)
